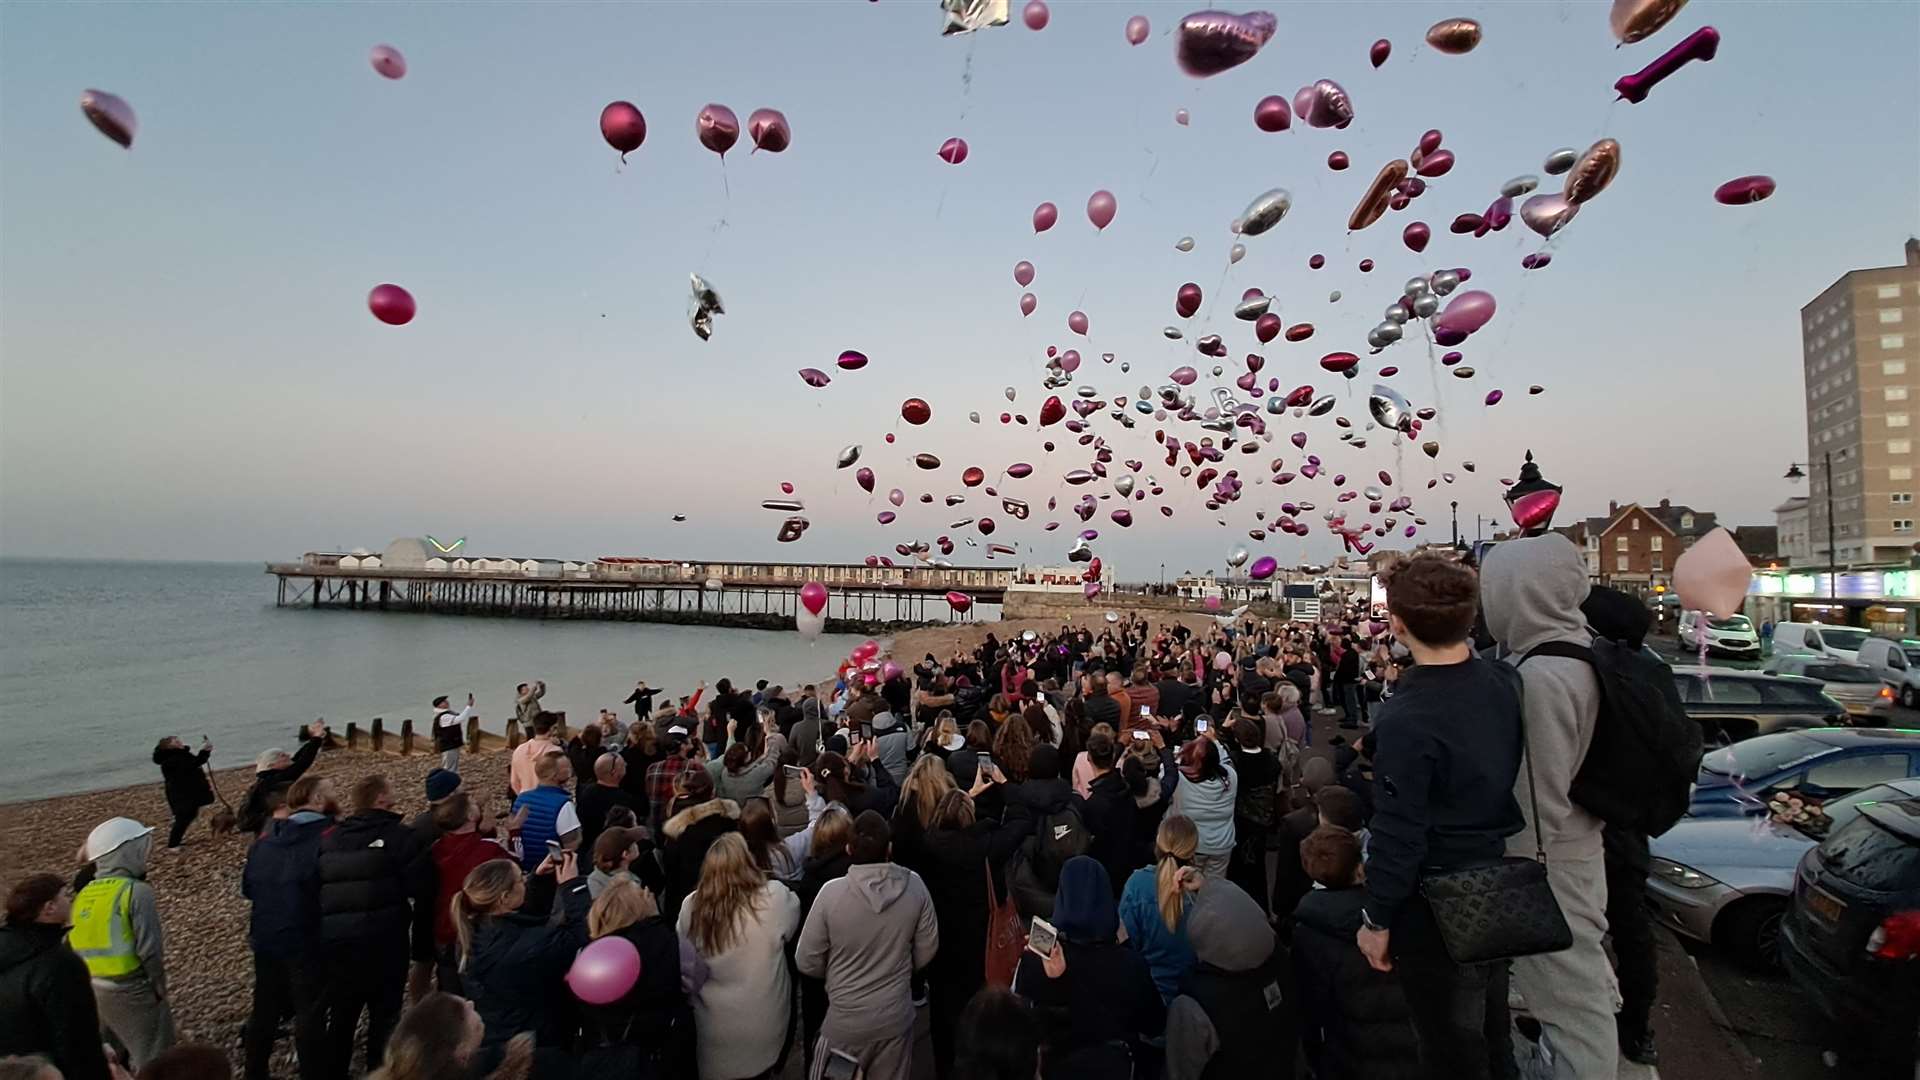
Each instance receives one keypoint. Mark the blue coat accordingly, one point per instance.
(1168, 955)
(282, 879)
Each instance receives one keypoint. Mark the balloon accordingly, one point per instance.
(1272, 114)
(1547, 214)
(1100, 209)
(814, 377)
(960, 602)
(1035, 14)
(916, 411)
(769, 130)
(953, 151)
(1019, 470)
(1137, 29)
(1389, 409)
(1265, 211)
(111, 115)
(1183, 376)
(1077, 322)
(1338, 161)
(1183, 244)
(1593, 172)
(1713, 574)
(1044, 216)
(1236, 253)
(974, 476)
(1635, 20)
(864, 478)
(966, 16)
(605, 970)
(1373, 204)
(1338, 362)
(896, 496)
(1454, 36)
(623, 127)
(1438, 163)
(1467, 312)
(1560, 161)
(1263, 568)
(1416, 235)
(1237, 557)
(1467, 223)
(1027, 303)
(1315, 262)
(1052, 412)
(391, 304)
(1186, 300)
(1252, 308)
(1700, 45)
(705, 304)
(848, 455)
(1266, 327)
(387, 61)
(717, 127)
(1222, 660)
(1299, 331)
(1494, 396)
(1327, 105)
(1445, 281)
(1181, 116)
(809, 623)
(813, 597)
(1023, 273)
(1210, 42)
(1746, 189)
(1519, 186)
(1380, 51)
(1010, 393)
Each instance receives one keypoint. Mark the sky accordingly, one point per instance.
(188, 369)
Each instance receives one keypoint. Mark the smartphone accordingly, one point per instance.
(794, 771)
(554, 851)
(840, 1065)
(1200, 725)
(1146, 710)
(1141, 735)
(1042, 939)
(866, 731)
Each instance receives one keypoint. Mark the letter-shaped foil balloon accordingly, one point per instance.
(1636, 20)
(112, 116)
(769, 130)
(717, 127)
(1593, 172)
(1373, 205)
(624, 128)
(1211, 42)
(1702, 44)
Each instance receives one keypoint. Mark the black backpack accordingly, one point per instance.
(1645, 753)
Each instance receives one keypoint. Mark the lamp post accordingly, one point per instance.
(1532, 500)
(1794, 472)
(1456, 523)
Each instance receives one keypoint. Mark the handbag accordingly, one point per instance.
(1006, 938)
(1502, 909)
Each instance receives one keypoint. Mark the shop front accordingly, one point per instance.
(1883, 601)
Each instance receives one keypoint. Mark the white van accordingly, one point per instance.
(1819, 639)
(1733, 635)
(1897, 664)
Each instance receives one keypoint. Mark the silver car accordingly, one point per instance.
(1856, 686)
(1727, 881)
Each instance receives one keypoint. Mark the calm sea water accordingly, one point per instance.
(100, 659)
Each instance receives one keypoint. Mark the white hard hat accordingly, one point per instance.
(112, 833)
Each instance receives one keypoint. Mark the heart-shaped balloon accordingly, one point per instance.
(1535, 509)
(1547, 214)
(1211, 42)
(960, 602)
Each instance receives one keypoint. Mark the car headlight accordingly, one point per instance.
(1686, 877)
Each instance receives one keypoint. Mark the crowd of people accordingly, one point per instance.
(1111, 851)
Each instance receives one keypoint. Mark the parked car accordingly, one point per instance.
(1866, 697)
(1851, 938)
(1839, 642)
(1732, 636)
(1897, 664)
(1818, 764)
(1728, 880)
(1733, 705)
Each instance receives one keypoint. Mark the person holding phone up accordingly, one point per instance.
(1096, 996)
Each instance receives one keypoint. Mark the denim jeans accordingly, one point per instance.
(1351, 701)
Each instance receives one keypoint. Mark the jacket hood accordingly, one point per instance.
(1084, 910)
(1049, 796)
(1333, 911)
(1227, 929)
(1531, 590)
(21, 944)
(878, 885)
(1149, 797)
(129, 859)
(292, 833)
(694, 815)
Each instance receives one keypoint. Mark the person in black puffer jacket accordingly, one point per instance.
(188, 788)
(699, 819)
(648, 1034)
(959, 854)
(46, 997)
(1354, 1021)
(373, 869)
(514, 962)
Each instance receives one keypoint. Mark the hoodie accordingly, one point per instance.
(1531, 590)
(47, 1000)
(1107, 996)
(1229, 1021)
(866, 935)
(129, 860)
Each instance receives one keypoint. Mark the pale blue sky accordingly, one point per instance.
(189, 370)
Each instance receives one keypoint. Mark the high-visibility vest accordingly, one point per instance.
(102, 933)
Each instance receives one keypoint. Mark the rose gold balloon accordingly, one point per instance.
(1374, 203)
(1633, 20)
(1454, 36)
(1593, 172)
(717, 128)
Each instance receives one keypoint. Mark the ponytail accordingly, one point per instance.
(487, 890)
(1174, 847)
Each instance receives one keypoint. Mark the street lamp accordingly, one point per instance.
(1456, 523)
(1795, 472)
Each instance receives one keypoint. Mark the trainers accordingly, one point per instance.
(1639, 1048)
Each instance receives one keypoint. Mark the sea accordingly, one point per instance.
(98, 660)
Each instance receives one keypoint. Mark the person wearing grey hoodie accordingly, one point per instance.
(1231, 1018)
(1530, 592)
(866, 935)
(134, 1005)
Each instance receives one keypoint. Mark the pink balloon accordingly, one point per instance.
(1186, 301)
(1035, 14)
(624, 128)
(1267, 327)
(953, 151)
(387, 61)
(896, 496)
(960, 602)
(1263, 568)
(865, 478)
(769, 130)
(1271, 113)
(1101, 208)
(1713, 574)
(1338, 161)
(1137, 29)
(1438, 163)
(1494, 396)
(852, 360)
(391, 304)
(605, 970)
(813, 597)
(1181, 116)
(1744, 190)
(1466, 312)
(1070, 360)
(1185, 376)
(1023, 273)
(1700, 45)
(1028, 303)
(1212, 603)
(890, 671)
(1378, 54)
(110, 115)
(717, 128)
(1211, 42)
(814, 377)
(1044, 216)
(1077, 322)
(1416, 235)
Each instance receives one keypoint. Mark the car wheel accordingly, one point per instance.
(1906, 697)
(1751, 930)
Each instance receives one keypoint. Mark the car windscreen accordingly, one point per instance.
(1873, 856)
(1762, 756)
(1735, 622)
(1843, 637)
(1843, 673)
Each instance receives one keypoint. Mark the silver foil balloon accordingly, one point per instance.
(1238, 557)
(1416, 286)
(786, 506)
(1389, 332)
(1333, 297)
(1394, 314)
(1249, 310)
(703, 307)
(966, 16)
(1373, 494)
(1172, 333)
(1560, 161)
(974, 416)
(1322, 405)
(848, 455)
(1265, 212)
(1087, 391)
(1375, 340)
(1123, 484)
(1388, 407)
(1276, 405)
(1185, 243)
(1426, 306)
(1236, 253)
(1010, 393)
(1445, 281)
(1125, 367)
(1519, 186)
